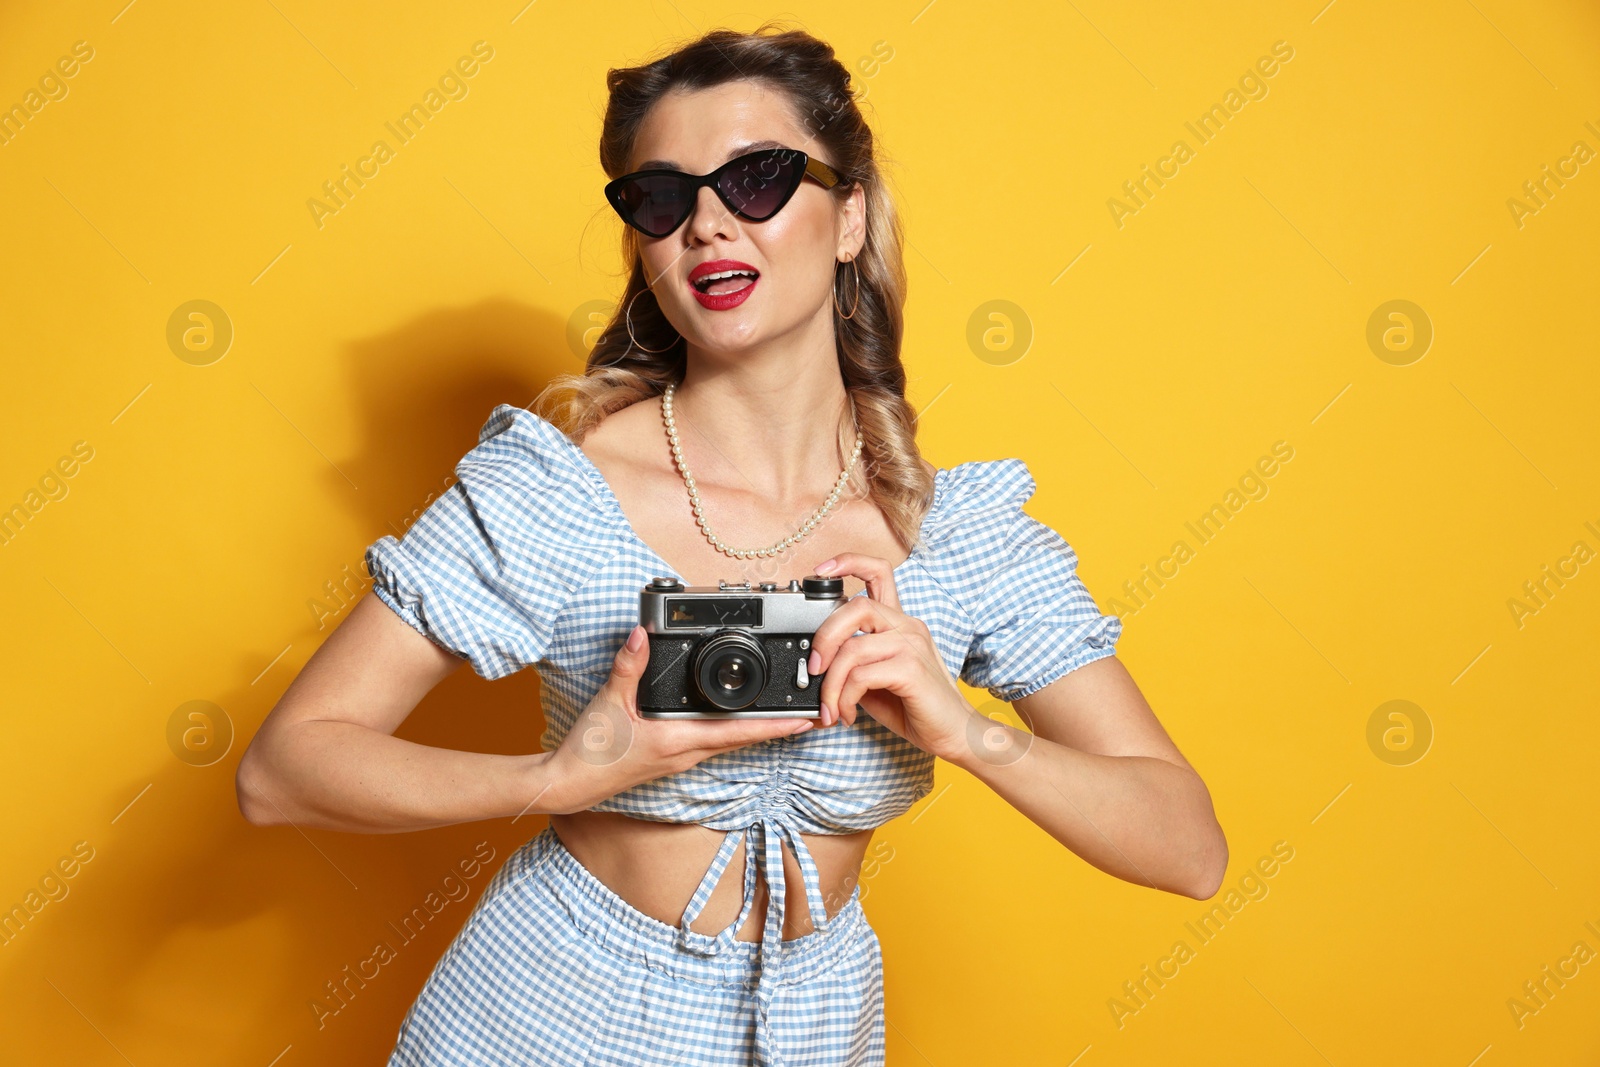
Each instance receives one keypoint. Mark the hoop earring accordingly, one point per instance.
(857, 303)
(627, 317)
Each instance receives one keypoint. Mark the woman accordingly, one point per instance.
(755, 397)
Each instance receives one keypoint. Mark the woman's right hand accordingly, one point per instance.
(611, 748)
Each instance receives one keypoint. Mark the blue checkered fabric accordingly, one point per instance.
(554, 969)
(528, 560)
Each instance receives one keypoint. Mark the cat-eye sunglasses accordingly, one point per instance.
(754, 186)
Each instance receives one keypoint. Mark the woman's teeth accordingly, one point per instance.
(726, 281)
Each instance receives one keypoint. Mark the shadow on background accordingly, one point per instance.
(210, 890)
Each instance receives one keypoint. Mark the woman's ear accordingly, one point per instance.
(854, 235)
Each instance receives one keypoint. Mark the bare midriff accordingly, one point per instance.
(655, 867)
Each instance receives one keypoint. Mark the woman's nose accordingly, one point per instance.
(710, 213)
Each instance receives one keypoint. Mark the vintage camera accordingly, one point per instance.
(732, 652)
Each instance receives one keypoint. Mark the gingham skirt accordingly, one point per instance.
(554, 968)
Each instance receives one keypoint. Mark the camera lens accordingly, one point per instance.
(730, 670)
(730, 673)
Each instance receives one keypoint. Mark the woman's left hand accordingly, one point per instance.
(893, 669)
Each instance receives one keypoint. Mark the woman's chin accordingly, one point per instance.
(726, 336)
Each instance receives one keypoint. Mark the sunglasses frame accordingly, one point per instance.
(817, 170)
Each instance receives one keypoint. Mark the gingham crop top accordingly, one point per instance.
(528, 560)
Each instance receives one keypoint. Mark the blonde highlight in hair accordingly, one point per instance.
(619, 372)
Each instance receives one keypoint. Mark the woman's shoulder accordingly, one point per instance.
(981, 491)
(628, 441)
(526, 469)
(487, 569)
(512, 432)
(993, 558)
(515, 442)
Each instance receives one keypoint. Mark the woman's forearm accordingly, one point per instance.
(1140, 818)
(344, 776)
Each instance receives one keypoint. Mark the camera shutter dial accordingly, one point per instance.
(819, 587)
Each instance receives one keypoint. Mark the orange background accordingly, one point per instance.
(1143, 362)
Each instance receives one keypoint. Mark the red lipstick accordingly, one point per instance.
(723, 301)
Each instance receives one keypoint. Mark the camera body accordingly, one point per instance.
(728, 651)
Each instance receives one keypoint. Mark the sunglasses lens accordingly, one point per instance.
(656, 204)
(762, 182)
(754, 185)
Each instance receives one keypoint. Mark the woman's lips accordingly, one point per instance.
(724, 301)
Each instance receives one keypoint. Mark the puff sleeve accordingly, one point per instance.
(1034, 621)
(471, 574)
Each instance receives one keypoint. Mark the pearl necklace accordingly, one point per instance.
(694, 495)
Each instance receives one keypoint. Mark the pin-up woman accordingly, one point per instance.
(695, 897)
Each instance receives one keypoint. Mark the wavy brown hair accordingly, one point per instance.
(618, 373)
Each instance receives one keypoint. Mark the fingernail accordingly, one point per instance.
(826, 566)
(802, 728)
(636, 639)
(826, 713)
(813, 662)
